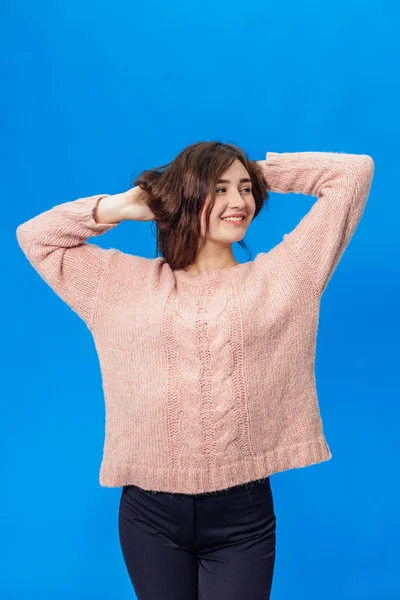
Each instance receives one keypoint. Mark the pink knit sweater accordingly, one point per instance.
(208, 379)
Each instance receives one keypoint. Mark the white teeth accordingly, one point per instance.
(233, 218)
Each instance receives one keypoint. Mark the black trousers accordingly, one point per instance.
(216, 546)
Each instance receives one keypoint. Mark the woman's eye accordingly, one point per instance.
(223, 189)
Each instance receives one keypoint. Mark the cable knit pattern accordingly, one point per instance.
(208, 379)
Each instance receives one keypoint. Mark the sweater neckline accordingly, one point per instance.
(209, 274)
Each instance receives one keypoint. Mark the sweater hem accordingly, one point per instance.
(198, 481)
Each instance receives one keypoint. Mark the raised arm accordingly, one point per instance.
(341, 182)
(55, 244)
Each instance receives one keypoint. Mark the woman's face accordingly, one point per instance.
(233, 194)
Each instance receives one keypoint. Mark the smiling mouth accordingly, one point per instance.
(236, 220)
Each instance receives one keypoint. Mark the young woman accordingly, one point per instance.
(207, 364)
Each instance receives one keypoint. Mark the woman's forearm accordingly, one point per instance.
(341, 182)
(110, 209)
(306, 172)
(130, 206)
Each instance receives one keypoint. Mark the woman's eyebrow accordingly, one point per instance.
(240, 180)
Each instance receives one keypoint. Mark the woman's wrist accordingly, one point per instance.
(110, 209)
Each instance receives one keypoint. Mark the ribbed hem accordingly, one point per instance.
(197, 481)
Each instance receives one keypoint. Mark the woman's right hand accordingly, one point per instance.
(130, 205)
(135, 207)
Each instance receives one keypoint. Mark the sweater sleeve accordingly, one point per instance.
(341, 182)
(55, 244)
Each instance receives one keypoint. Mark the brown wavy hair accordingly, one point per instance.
(177, 192)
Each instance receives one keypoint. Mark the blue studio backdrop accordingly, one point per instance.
(95, 92)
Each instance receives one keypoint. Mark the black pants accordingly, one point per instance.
(217, 546)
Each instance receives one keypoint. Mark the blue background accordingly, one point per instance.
(94, 93)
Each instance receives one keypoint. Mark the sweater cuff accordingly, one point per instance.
(84, 209)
